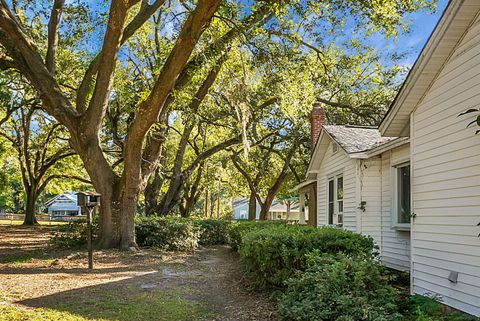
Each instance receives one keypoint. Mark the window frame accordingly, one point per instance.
(395, 196)
(336, 212)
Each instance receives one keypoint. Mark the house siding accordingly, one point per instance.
(334, 163)
(395, 250)
(370, 188)
(446, 182)
(374, 179)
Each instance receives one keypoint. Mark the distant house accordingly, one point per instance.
(278, 210)
(63, 205)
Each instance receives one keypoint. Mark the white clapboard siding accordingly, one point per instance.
(446, 182)
(395, 249)
(369, 180)
(335, 163)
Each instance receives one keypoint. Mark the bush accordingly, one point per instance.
(273, 254)
(429, 308)
(212, 232)
(73, 234)
(167, 233)
(238, 229)
(340, 288)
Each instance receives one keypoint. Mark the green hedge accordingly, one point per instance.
(167, 233)
(273, 254)
(213, 232)
(340, 288)
(238, 229)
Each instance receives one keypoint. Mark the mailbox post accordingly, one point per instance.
(88, 202)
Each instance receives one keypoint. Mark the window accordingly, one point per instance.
(331, 203)
(340, 199)
(402, 195)
(334, 148)
(335, 200)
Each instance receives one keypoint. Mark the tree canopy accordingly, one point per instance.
(156, 96)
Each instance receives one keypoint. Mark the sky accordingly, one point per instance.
(422, 26)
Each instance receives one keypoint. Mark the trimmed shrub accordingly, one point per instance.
(273, 254)
(340, 288)
(238, 229)
(167, 233)
(212, 232)
(73, 234)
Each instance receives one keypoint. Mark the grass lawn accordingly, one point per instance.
(136, 306)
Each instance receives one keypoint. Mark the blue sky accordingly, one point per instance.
(422, 26)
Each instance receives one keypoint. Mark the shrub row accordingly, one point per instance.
(167, 233)
(275, 253)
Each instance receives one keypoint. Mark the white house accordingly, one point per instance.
(356, 172)
(278, 210)
(63, 205)
(417, 195)
(444, 158)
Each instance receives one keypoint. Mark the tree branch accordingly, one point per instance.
(108, 58)
(145, 13)
(53, 25)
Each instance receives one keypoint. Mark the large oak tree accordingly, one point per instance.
(82, 108)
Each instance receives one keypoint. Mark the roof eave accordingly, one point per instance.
(459, 13)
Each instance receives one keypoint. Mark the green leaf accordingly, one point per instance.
(471, 110)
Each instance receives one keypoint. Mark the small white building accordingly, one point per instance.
(63, 205)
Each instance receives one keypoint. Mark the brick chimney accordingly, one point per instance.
(317, 121)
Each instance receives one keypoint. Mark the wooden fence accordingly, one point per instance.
(45, 218)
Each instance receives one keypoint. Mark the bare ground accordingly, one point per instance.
(34, 275)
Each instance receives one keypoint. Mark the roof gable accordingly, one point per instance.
(356, 139)
(454, 23)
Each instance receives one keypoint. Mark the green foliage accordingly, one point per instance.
(340, 288)
(167, 233)
(73, 234)
(238, 229)
(274, 254)
(212, 232)
(428, 308)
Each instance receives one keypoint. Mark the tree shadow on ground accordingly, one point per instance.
(154, 296)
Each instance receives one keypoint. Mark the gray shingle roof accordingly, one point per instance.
(356, 139)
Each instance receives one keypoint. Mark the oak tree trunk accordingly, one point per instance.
(30, 218)
(252, 207)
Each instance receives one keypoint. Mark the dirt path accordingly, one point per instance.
(33, 276)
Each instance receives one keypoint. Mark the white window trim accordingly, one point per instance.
(335, 177)
(395, 225)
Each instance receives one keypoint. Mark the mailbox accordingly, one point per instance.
(88, 199)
